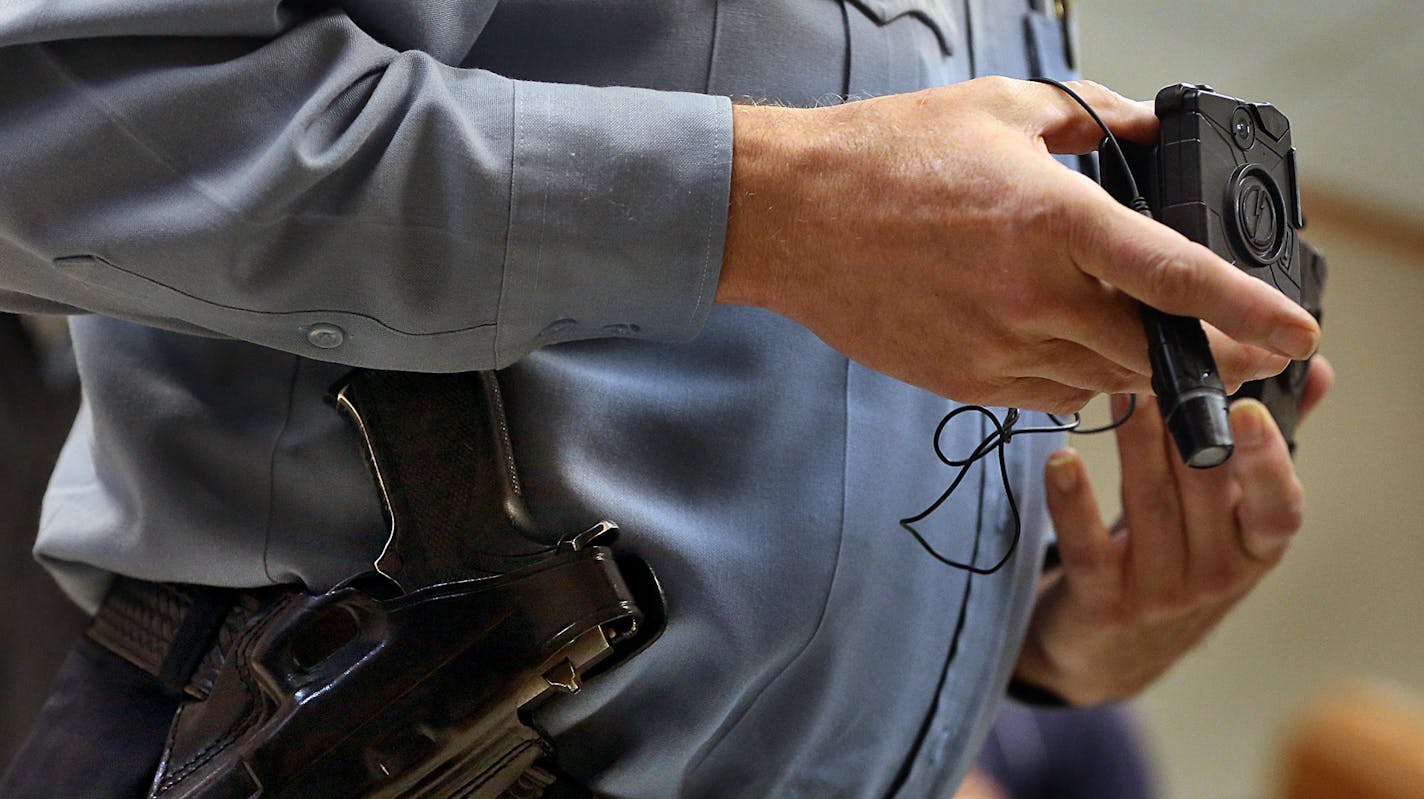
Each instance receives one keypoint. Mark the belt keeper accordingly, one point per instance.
(164, 629)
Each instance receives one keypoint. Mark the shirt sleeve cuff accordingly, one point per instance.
(618, 215)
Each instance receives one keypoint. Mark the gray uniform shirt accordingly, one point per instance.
(241, 199)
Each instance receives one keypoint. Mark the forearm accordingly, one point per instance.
(259, 184)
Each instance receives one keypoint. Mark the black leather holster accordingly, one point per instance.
(417, 678)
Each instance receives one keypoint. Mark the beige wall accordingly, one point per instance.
(1350, 598)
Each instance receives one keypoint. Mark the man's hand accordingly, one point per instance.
(932, 237)
(1129, 601)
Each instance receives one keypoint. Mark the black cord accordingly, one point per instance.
(1006, 429)
(1138, 204)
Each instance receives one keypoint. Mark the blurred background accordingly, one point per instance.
(1348, 602)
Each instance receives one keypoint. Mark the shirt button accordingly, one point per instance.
(326, 336)
(622, 330)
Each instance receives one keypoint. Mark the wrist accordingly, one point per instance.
(767, 146)
(1040, 678)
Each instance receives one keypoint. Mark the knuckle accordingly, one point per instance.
(1057, 408)
(1171, 281)
(1169, 603)
(1097, 95)
(1123, 381)
(1017, 306)
(959, 385)
(1286, 515)
(998, 85)
(1291, 515)
(1120, 614)
(984, 382)
(1233, 366)
(1158, 499)
(1068, 403)
(1183, 602)
(997, 390)
(1240, 363)
(997, 92)
(994, 356)
(1092, 559)
(1062, 216)
(1221, 580)
(1089, 86)
(1076, 226)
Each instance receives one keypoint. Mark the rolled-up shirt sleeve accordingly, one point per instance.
(313, 189)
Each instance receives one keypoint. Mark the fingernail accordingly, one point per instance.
(1063, 471)
(1294, 342)
(1248, 421)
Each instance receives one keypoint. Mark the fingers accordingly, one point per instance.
(1317, 384)
(1074, 365)
(1160, 267)
(1067, 128)
(1215, 568)
(1084, 543)
(1039, 394)
(1237, 362)
(1272, 500)
(1150, 501)
(1107, 322)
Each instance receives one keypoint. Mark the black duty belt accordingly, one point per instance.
(415, 679)
(177, 633)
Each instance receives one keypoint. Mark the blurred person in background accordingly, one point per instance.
(1063, 753)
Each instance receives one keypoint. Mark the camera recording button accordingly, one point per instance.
(1243, 129)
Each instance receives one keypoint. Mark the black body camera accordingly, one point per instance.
(1223, 174)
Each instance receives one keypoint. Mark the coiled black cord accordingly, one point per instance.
(1006, 429)
(1004, 432)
